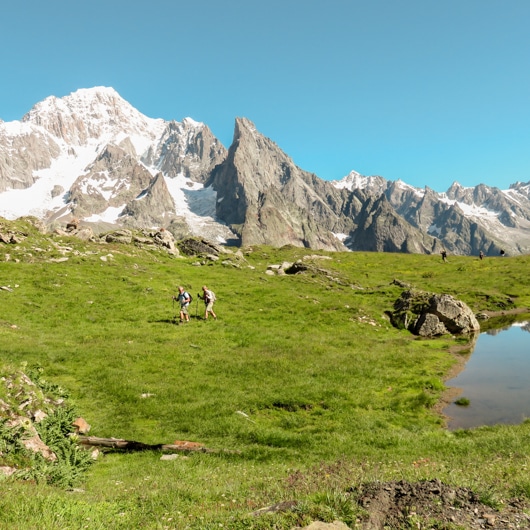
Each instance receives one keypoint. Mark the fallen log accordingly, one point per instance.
(130, 445)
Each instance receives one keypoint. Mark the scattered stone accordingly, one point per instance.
(185, 444)
(400, 283)
(285, 506)
(72, 225)
(318, 525)
(81, 426)
(172, 456)
(165, 238)
(7, 470)
(39, 415)
(32, 441)
(119, 236)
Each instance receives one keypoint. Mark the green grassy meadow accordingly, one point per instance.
(302, 386)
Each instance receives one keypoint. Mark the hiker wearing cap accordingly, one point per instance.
(209, 298)
(184, 299)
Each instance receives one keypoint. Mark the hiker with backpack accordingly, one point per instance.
(209, 298)
(184, 299)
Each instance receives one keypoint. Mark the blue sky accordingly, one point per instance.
(424, 91)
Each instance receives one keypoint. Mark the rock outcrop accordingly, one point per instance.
(429, 315)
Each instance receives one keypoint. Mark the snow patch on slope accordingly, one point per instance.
(471, 210)
(110, 215)
(38, 199)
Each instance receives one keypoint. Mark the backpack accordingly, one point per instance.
(190, 297)
(212, 296)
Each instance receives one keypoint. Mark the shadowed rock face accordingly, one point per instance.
(430, 315)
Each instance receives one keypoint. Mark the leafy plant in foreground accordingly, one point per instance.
(37, 397)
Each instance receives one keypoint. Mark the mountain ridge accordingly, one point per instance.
(93, 156)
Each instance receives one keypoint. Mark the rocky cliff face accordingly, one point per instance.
(112, 180)
(23, 153)
(267, 199)
(153, 207)
(188, 148)
(381, 229)
(463, 220)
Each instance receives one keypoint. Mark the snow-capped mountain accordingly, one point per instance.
(485, 218)
(93, 156)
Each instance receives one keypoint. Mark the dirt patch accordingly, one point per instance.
(434, 505)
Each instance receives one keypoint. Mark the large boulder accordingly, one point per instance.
(194, 246)
(430, 315)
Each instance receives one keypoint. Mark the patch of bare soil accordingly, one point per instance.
(434, 505)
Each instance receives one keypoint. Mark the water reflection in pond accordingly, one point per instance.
(496, 380)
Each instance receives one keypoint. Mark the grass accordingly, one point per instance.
(463, 402)
(302, 379)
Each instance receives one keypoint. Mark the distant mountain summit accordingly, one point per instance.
(93, 114)
(93, 156)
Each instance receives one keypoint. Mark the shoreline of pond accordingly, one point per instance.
(461, 352)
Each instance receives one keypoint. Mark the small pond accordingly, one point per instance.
(495, 380)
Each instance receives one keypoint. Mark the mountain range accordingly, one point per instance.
(93, 157)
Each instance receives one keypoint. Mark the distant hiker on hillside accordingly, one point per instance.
(481, 255)
(209, 298)
(444, 254)
(184, 299)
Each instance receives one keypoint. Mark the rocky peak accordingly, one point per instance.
(521, 187)
(354, 180)
(113, 179)
(455, 190)
(153, 207)
(267, 199)
(90, 114)
(187, 148)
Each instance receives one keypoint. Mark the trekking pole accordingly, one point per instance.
(197, 308)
